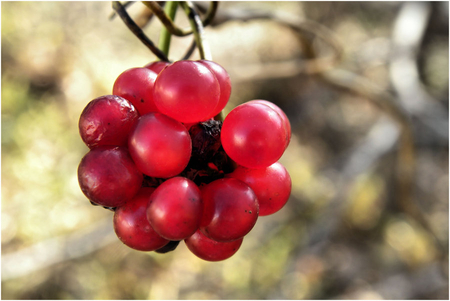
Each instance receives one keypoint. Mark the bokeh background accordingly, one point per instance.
(365, 86)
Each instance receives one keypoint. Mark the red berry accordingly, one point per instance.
(159, 145)
(283, 116)
(108, 176)
(254, 135)
(225, 85)
(132, 227)
(211, 250)
(272, 185)
(175, 208)
(187, 91)
(136, 85)
(157, 66)
(107, 120)
(230, 209)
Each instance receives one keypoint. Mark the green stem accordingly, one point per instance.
(164, 40)
(197, 28)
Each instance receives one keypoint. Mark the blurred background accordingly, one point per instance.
(365, 86)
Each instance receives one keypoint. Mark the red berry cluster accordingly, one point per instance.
(170, 171)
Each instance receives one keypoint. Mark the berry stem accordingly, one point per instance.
(165, 19)
(125, 5)
(121, 11)
(209, 16)
(210, 13)
(170, 25)
(164, 40)
(197, 28)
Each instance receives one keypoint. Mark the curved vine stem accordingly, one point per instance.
(210, 13)
(197, 28)
(120, 10)
(125, 5)
(164, 18)
(168, 23)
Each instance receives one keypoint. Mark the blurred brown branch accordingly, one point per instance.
(59, 249)
(386, 132)
(408, 31)
(425, 281)
(399, 111)
(300, 25)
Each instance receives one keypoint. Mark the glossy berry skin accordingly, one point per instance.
(131, 224)
(187, 91)
(159, 145)
(230, 209)
(107, 120)
(210, 250)
(272, 185)
(283, 116)
(157, 66)
(175, 208)
(253, 135)
(136, 85)
(108, 176)
(225, 84)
